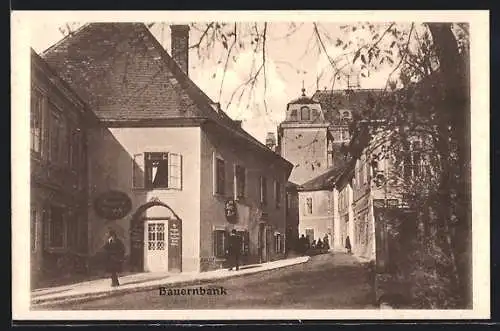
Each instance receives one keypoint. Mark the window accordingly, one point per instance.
(278, 243)
(305, 113)
(245, 241)
(412, 162)
(156, 236)
(293, 114)
(56, 228)
(33, 229)
(239, 181)
(72, 231)
(220, 176)
(74, 156)
(346, 117)
(36, 121)
(309, 205)
(344, 135)
(315, 114)
(55, 137)
(220, 243)
(157, 170)
(263, 190)
(277, 194)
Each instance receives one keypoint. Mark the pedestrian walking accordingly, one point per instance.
(348, 245)
(326, 244)
(115, 251)
(234, 250)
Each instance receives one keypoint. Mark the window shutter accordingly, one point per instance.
(247, 242)
(214, 242)
(175, 171)
(138, 171)
(225, 245)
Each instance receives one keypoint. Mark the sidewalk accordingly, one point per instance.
(145, 281)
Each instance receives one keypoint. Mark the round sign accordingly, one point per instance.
(112, 205)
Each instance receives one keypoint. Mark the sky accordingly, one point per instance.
(294, 60)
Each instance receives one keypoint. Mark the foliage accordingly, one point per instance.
(425, 99)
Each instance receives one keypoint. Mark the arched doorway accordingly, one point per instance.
(156, 238)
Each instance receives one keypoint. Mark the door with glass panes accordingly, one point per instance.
(155, 246)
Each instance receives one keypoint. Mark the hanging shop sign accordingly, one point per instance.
(112, 205)
(230, 211)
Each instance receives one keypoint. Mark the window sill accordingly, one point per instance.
(155, 189)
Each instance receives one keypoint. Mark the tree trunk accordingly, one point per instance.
(454, 112)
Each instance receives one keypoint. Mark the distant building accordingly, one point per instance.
(163, 164)
(314, 137)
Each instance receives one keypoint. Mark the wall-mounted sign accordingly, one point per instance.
(174, 245)
(230, 210)
(112, 205)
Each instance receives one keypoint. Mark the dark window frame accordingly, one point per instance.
(159, 160)
(36, 116)
(219, 249)
(240, 181)
(263, 190)
(220, 176)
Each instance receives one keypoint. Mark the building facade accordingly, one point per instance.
(167, 169)
(58, 129)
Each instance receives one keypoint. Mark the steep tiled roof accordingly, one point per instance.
(326, 180)
(303, 100)
(124, 73)
(357, 100)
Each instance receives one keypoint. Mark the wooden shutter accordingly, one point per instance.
(175, 171)
(138, 171)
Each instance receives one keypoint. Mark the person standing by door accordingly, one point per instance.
(234, 250)
(115, 251)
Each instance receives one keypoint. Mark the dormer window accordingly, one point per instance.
(346, 116)
(305, 114)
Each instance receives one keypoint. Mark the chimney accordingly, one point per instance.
(238, 123)
(180, 45)
(271, 141)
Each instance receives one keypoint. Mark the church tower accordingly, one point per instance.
(303, 139)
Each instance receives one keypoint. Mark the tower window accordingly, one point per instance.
(293, 114)
(305, 114)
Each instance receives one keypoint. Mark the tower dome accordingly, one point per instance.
(304, 109)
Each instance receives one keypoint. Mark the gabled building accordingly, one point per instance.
(166, 167)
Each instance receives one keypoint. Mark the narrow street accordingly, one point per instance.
(329, 281)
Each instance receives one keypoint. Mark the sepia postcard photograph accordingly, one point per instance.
(250, 165)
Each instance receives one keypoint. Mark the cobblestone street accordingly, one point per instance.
(328, 281)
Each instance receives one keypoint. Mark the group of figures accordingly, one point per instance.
(304, 244)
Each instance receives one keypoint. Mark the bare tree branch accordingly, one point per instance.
(402, 58)
(203, 35)
(227, 59)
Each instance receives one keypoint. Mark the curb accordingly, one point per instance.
(80, 298)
